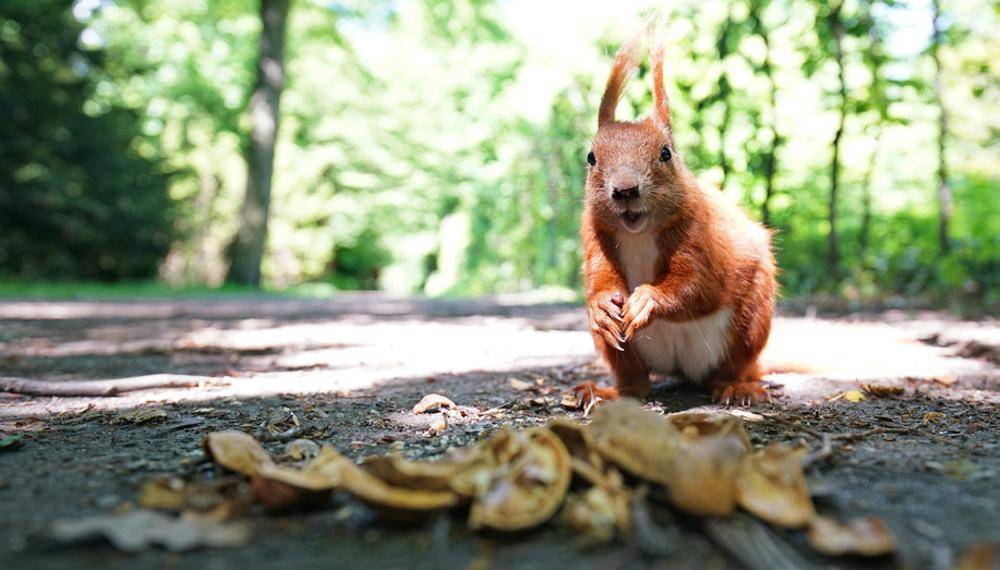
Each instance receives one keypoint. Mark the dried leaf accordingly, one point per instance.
(867, 536)
(394, 503)
(772, 486)
(604, 507)
(603, 510)
(438, 425)
(706, 462)
(570, 401)
(698, 424)
(591, 513)
(162, 493)
(237, 451)
(173, 494)
(429, 475)
(140, 416)
(527, 487)
(300, 449)
(853, 396)
(137, 530)
(882, 390)
(946, 380)
(638, 440)
(520, 385)
(281, 488)
(586, 460)
(432, 403)
(933, 417)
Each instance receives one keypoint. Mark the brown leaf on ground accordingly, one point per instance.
(772, 486)
(237, 451)
(602, 511)
(140, 416)
(430, 475)
(705, 463)
(592, 513)
(867, 536)
(882, 390)
(163, 493)
(584, 457)
(438, 425)
(946, 380)
(570, 401)
(520, 385)
(432, 403)
(301, 449)
(174, 494)
(641, 442)
(852, 396)
(281, 488)
(281, 424)
(138, 530)
(528, 485)
(932, 417)
(391, 502)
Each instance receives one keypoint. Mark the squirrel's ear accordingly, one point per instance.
(626, 62)
(660, 101)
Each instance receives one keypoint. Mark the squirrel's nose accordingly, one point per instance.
(624, 193)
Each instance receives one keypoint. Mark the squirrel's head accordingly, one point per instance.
(635, 179)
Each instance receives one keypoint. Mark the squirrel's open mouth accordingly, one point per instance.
(633, 220)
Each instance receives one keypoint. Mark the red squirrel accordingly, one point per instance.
(679, 280)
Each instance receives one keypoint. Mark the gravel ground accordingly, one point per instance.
(350, 369)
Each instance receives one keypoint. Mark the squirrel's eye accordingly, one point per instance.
(591, 159)
(665, 153)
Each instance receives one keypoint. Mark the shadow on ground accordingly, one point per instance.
(925, 460)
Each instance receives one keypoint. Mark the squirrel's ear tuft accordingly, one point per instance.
(626, 62)
(660, 101)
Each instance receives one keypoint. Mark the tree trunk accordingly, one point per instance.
(866, 199)
(722, 51)
(833, 254)
(247, 248)
(943, 190)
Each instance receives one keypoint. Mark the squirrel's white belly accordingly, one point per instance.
(693, 348)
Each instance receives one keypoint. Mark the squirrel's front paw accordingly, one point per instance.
(638, 310)
(589, 394)
(605, 314)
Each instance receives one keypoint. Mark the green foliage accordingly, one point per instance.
(439, 146)
(78, 197)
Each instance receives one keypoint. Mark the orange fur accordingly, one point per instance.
(687, 257)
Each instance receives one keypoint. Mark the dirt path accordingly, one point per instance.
(351, 368)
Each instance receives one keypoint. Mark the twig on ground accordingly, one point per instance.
(98, 388)
(791, 424)
(821, 454)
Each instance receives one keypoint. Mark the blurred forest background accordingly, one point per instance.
(439, 146)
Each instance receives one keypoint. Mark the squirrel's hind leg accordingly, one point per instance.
(739, 387)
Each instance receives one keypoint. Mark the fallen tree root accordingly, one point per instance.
(99, 388)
